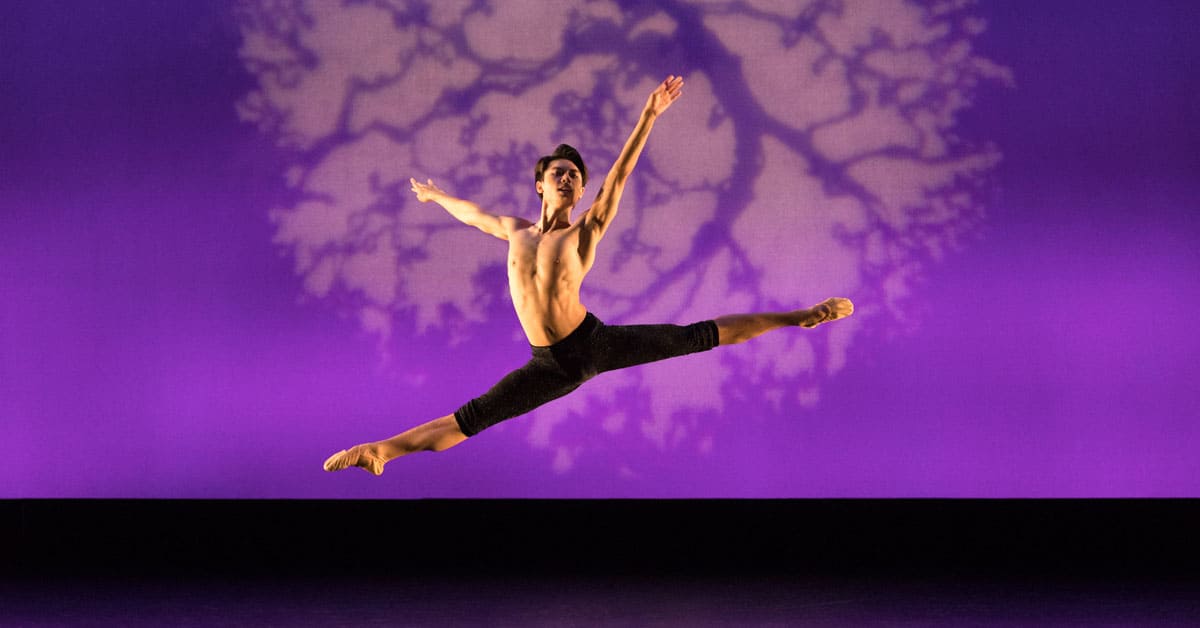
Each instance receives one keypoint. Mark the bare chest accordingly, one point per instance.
(544, 254)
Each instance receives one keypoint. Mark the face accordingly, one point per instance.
(562, 183)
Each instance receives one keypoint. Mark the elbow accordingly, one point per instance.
(611, 192)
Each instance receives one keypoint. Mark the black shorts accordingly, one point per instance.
(591, 349)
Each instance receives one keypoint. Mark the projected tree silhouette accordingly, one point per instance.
(814, 154)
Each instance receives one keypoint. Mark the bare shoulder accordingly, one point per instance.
(513, 224)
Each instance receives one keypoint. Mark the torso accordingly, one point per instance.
(545, 271)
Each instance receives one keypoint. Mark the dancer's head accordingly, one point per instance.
(559, 169)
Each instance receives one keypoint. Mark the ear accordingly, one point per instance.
(538, 186)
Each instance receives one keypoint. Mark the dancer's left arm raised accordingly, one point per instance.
(602, 211)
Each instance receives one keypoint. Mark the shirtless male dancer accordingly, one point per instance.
(547, 261)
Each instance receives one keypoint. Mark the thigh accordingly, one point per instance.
(531, 386)
(620, 346)
(534, 384)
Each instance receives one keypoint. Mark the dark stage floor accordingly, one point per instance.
(601, 563)
(613, 600)
(591, 601)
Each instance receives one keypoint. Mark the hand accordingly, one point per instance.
(426, 191)
(664, 94)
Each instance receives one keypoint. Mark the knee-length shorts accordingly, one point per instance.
(591, 349)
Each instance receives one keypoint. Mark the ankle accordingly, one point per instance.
(383, 451)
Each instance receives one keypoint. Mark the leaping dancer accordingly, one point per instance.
(547, 261)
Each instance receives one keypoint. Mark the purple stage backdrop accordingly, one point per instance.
(214, 274)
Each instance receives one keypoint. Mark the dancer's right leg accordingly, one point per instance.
(437, 435)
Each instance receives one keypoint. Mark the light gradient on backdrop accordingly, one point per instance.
(214, 275)
(814, 155)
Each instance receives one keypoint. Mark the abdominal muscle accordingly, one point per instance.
(544, 274)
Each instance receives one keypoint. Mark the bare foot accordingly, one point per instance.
(827, 310)
(357, 456)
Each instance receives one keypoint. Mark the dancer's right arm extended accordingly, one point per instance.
(466, 211)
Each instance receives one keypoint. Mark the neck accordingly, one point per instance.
(555, 217)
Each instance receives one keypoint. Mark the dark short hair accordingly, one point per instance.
(563, 151)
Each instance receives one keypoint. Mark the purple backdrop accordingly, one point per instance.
(213, 274)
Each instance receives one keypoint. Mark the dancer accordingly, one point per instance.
(547, 261)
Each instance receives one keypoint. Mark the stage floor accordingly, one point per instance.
(637, 600)
(600, 563)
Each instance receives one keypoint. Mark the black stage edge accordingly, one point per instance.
(1100, 539)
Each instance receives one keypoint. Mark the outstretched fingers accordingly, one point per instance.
(424, 191)
(666, 93)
